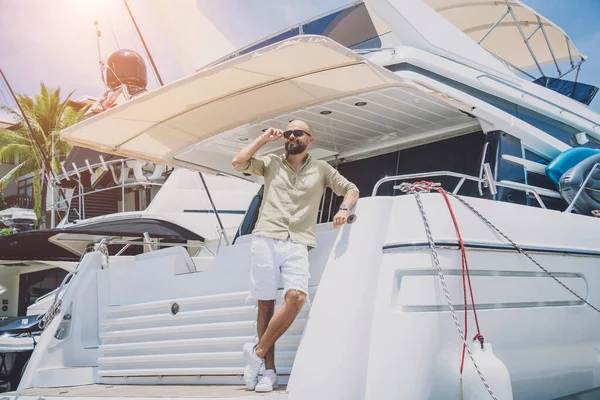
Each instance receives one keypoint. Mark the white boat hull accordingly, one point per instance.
(378, 326)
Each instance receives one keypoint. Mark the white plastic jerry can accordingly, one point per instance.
(494, 371)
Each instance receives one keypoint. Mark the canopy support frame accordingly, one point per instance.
(575, 66)
(518, 24)
(535, 31)
(493, 27)
(549, 45)
(569, 49)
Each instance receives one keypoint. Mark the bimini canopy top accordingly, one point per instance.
(201, 121)
(512, 31)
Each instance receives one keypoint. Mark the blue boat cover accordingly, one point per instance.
(581, 92)
(567, 160)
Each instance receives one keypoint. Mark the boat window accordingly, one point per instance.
(563, 132)
(503, 144)
(272, 40)
(321, 25)
(33, 285)
(352, 26)
(247, 225)
(544, 182)
(460, 154)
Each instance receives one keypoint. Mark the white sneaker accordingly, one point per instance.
(253, 365)
(268, 382)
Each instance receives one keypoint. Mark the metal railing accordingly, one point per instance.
(488, 181)
(19, 201)
(326, 209)
(108, 167)
(587, 178)
(152, 246)
(81, 196)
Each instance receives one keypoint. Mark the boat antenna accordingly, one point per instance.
(144, 44)
(100, 62)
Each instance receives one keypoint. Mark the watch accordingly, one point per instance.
(344, 207)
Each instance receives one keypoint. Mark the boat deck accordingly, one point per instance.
(148, 391)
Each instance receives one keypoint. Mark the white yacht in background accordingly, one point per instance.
(397, 91)
(201, 213)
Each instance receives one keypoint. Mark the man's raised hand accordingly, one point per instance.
(272, 134)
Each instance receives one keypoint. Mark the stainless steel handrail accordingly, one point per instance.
(129, 243)
(63, 283)
(108, 164)
(424, 175)
(96, 165)
(126, 185)
(587, 178)
(463, 178)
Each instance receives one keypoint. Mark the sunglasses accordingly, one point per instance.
(297, 133)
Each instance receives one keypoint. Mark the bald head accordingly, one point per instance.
(301, 125)
(298, 143)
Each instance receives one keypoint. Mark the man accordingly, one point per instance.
(284, 232)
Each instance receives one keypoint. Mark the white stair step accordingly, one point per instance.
(163, 319)
(231, 314)
(206, 360)
(222, 371)
(175, 345)
(242, 328)
(224, 300)
(69, 376)
(168, 332)
(231, 299)
(286, 342)
(179, 380)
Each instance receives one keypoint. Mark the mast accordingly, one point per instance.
(144, 44)
(162, 84)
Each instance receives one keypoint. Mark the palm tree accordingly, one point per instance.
(46, 113)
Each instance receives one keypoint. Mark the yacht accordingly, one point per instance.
(475, 227)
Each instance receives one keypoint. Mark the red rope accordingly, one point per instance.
(466, 276)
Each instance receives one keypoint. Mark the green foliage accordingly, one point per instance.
(46, 113)
(5, 231)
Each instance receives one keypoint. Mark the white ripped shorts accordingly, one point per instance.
(273, 260)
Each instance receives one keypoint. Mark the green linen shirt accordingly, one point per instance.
(291, 198)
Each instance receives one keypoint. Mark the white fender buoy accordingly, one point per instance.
(494, 371)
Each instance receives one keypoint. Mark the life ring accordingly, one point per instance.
(571, 181)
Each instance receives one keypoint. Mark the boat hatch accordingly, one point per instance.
(201, 121)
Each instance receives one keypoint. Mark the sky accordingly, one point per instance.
(54, 41)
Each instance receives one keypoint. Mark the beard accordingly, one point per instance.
(295, 147)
